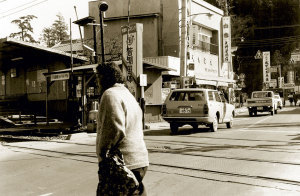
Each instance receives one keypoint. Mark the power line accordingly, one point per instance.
(266, 42)
(270, 43)
(23, 9)
(272, 39)
(277, 27)
(18, 6)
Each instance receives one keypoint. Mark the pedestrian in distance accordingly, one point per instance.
(291, 98)
(296, 97)
(241, 100)
(119, 125)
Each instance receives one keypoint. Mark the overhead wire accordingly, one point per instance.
(23, 9)
(18, 6)
(269, 42)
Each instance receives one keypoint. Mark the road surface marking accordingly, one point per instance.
(46, 194)
(256, 123)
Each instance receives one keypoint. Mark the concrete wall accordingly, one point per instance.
(161, 25)
(170, 28)
(153, 90)
(120, 8)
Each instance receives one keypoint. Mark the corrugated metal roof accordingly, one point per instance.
(43, 48)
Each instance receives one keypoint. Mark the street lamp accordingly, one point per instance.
(103, 6)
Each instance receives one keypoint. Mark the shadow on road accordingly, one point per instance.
(186, 130)
(295, 110)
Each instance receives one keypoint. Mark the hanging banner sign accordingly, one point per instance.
(226, 39)
(132, 51)
(266, 67)
(273, 83)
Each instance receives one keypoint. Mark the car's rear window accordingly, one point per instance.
(187, 96)
(210, 95)
(262, 94)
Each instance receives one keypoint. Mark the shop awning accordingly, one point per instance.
(91, 67)
(151, 65)
(219, 83)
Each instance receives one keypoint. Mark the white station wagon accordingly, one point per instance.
(196, 106)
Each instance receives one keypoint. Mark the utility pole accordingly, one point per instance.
(79, 31)
(102, 8)
(183, 40)
(226, 8)
(95, 42)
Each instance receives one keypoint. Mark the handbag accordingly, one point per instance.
(114, 177)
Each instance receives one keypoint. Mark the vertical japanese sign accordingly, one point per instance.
(266, 67)
(132, 52)
(226, 39)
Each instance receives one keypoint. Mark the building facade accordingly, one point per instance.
(162, 21)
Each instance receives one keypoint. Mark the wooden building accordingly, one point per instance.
(23, 86)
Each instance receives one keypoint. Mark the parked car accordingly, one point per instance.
(279, 101)
(196, 106)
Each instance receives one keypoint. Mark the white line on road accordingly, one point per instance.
(256, 123)
(47, 194)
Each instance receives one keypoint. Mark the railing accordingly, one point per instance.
(207, 47)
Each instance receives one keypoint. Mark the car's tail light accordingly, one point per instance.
(205, 109)
(164, 109)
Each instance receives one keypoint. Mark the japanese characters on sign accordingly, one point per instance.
(266, 67)
(132, 54)
(226, 39)
(129, 51)
(60, 76)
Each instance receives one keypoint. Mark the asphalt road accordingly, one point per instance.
(258, 156)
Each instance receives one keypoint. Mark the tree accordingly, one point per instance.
(56, 33)
(25, 27)
(265, 25)
(48, 37)
(60, 28)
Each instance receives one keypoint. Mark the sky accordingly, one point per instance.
(44, 10)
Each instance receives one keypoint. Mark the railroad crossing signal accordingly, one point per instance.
(242, 84)
(258, 55)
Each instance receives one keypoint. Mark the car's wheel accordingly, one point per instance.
(174, 128)
(214, 126)
(250, 113)
(230, 123)
(195, 126)
(272, 112)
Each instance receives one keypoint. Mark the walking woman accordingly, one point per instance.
(119, 125)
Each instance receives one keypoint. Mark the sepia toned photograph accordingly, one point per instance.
(149, 97)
